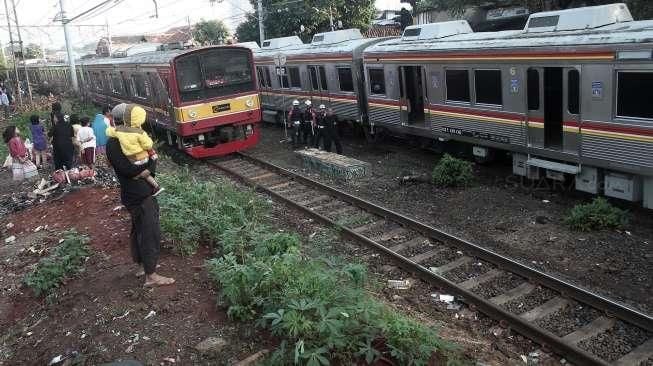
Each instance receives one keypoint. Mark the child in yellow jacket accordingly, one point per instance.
(135, 143)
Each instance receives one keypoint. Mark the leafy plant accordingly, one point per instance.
(66, 259)
(597, 215)
(452, 172)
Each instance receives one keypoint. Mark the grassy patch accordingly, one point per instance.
(320, 310)
(452, 172)
(66, 259)
(597, 215)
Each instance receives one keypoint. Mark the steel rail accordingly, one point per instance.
(531, 331)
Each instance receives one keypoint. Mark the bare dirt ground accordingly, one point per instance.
(515, 217)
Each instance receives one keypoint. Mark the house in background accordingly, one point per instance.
(121, 46)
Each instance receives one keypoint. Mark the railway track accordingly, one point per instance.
(583, 327)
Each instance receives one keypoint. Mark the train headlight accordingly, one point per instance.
(192, 114)
(249, 103)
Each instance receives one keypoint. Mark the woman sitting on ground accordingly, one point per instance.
(21, 167)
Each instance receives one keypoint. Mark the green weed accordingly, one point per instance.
(597, 215)
(66, 259)
(452, 172)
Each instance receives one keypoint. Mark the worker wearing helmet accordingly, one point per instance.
(320, 133)
(331, 132)
(308, 124)
(295, 119)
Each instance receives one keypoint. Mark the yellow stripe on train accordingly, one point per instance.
(224, 107)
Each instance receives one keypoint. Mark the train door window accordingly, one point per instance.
(268, 79)
(488, 87)
(312, 72)
(553, 107)
(533, 85)
(573, 91)
(261, 79)
(345, 79)
(295, 81)
(458, 86)
(323, 78)
(633, 97)
(377, 81)
(285, 84)
(142, 86)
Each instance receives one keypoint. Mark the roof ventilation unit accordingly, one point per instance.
(336, 36)
(436, 30)
(282, 42)
(590, 17)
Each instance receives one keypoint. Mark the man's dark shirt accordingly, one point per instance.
(62, 138)
(132, 191)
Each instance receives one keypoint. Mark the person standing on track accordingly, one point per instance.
(136, 196)
(295, 122)
(331, 132)
(308, 124)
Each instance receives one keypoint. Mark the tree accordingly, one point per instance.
(210, 32)
(33, 50)
(282, 19)
(641, 9)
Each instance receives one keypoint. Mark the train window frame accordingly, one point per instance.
(145, 89)
(323, 78)
(617, 80)
(284, 81)
(469, 88)
(116, 79)
(573, 108)
(369, 73)
(528, 90)
(313, 77)
(351, 76)
(500, 90)
(294, 77)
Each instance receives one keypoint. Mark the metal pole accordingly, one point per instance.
(331, 19)
(69, 47)
(22, 52)
(4, 57)
(13, 53)
(261, 27)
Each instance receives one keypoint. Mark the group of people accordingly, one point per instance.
(310, 128)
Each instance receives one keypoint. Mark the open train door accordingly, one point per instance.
(411, 87)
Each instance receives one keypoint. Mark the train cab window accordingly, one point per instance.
(533, 85)
(633, 100)
(345, 79)
(293, 74)
(458, 86)
(488, 87)
(377, 81)
(323, 78)
(142, 87)
(573, 91)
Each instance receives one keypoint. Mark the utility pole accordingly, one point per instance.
(331, 19)
(261, 27)
(4, 57)
(22, 52)
(69, 46)
(13, 54)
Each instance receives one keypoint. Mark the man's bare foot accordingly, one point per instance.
(158, 280)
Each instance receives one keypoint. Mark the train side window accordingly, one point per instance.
(632, 99)
(377, 81)
(141, 86)
(573, 91)
(323, 78)
(533, 85)
(488, 87)
(458, 86)
(261, 80)
(285, 84)
(268, 79)
(312, 72)
(295, 81)
(345, 79)
(118, 86)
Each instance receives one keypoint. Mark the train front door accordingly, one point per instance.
(411, 87)
(553, 98)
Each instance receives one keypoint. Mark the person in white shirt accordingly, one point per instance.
(4, 102)
(86, 138)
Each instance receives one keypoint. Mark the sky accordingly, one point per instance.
(123, 16)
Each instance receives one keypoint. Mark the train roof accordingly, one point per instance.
(582, 26)
(156, 57)
(335, 44)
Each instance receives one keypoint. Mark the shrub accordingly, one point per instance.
(66, 259)
(452, 172)
(597, 215)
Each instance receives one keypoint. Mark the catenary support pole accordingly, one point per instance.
(261, 27)
(22, 52)
(69, 47)
(13, 54)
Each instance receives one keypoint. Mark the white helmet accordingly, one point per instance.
(295, 102)
(308, 102)
(322, 106)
